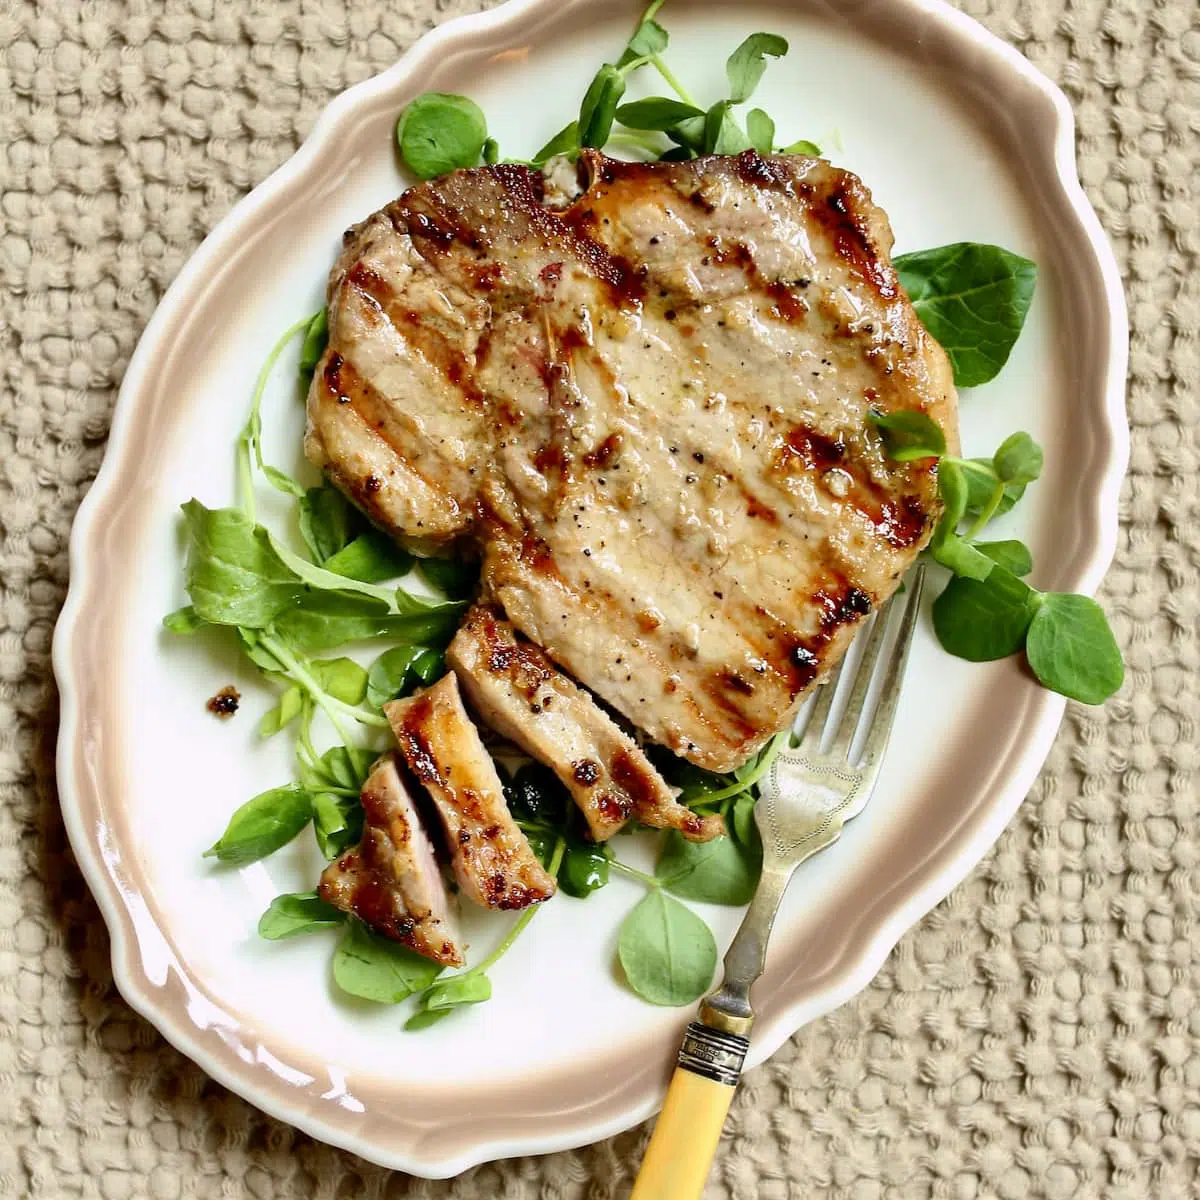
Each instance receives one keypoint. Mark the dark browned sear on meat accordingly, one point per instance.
(493, 861)
(648, 406)
(391, 879)
(517, 690)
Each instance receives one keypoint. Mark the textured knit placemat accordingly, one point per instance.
(1037, 1035)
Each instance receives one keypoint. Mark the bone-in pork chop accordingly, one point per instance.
(649, 409)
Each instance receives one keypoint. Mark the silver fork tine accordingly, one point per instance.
(889, 694)
(852, 714)
(814, 731)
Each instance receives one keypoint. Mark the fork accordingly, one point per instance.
(804, 801)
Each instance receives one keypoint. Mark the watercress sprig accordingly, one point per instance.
(987, 611)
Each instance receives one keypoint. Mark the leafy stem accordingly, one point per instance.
(761, 767)
(250, 441)
(330, 705)
(661, 67)
(633, 873)
(560, 848)
(986, 513)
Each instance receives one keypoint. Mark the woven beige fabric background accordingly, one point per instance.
(1037, 1035)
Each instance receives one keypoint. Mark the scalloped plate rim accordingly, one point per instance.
(115, 907)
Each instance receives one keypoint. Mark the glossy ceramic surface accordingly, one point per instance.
(959, 138)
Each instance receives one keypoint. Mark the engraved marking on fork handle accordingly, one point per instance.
(712, 1053)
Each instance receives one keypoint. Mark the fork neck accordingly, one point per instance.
(728, 1008)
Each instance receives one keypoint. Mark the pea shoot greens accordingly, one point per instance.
(334, 581)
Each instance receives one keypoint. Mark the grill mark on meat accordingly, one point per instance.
(603, 454)
(752, 168)
(841, 216)
(358, 397)
(787, 307)
(768, 502)
(628, 775)
(569, 228)
(901, 523)
(811, 448)
(417, 332)
(416, 747)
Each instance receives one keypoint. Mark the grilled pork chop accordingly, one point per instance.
(517, 690)
(492, 858)
(391, 879)
(649, 409)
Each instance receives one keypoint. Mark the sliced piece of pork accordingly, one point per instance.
(492, 858)
(517, 690)
(391, 879)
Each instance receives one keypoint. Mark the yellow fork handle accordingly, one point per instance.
(684, 1142)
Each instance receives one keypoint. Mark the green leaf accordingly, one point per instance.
(909, 435)
(584, 869)
(429, 665)
(329, 619)
(1012, 555)
(183, 621)
(337, 823)
(952, 551)
(565, 141)
(316, 338)
(649, 38)
(1072, 649)
(667, 953)
(811, 149)
(397, 670)
(657, 113)
(342, 678)
(438, 133)
(954, 493)
(262, 658)
(371, 558)
(297, 912)
(982, 480)
(973, 299)
(281, 481)
(263, 824)
(716, 872)
(327, 522)
(1019, 459)
(452, 577)
(535, 793)
(722, 133)
(599, 106)
(423, 1020)
(456, 991)
(340, 766)
(290, 705)
(760, 129)
(491, 152)
(747, 63)
(690, 134)
(373, 968)
(742, 820)
(233, 575)
(984, 621)
(960, 556)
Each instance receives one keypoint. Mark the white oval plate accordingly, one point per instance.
(960, 139)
